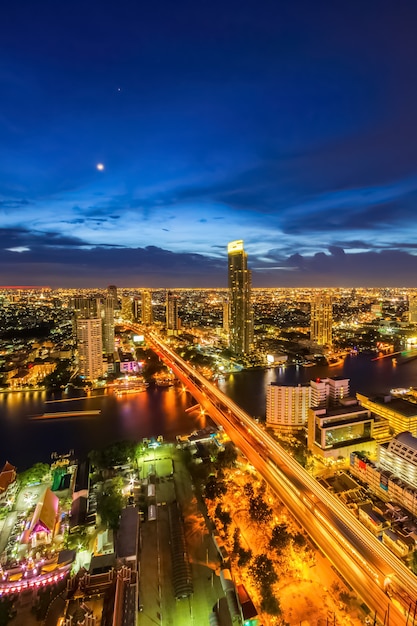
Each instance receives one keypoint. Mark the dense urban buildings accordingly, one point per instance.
(239, 281)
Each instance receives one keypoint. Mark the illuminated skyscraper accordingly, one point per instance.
(412, 309)
(226, 314)
(240, 319)
(107, 316)
(127, 308)
(172, 319)
(112, 293)
(321, 319)
(89, 346)
(147, 311)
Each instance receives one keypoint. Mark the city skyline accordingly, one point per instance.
(136, 141)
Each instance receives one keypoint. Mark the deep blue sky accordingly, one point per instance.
(291, 125)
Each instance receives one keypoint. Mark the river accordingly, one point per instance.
(162, 410)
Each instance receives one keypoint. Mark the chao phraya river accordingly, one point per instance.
(162, 410)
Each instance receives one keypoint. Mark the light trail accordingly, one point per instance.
(349, 545)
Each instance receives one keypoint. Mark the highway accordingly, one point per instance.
(362, 560)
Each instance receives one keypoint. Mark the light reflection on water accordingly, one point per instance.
(162, 410)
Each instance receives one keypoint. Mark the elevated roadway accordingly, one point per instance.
(363, 561)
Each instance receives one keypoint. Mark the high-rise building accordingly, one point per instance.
(147, 311)
(321, 319)
(172, 319)
(127, 308)
(86, 307)
(112, 293)
(136, 309)
(241, 319)
(287, 407)
(90, 348)
(329, 391)
(226, 315)
(412, 309)
(107, 316)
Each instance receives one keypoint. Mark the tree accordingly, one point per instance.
(280, 537)
(35, 474)
(259, 511)
(223, 516)
(228, 456)
(263, 572)
(110, 503)
(269, 603)
(299, 540)
(236, 541)
(214, 488)
(248, 490)
(244, 557)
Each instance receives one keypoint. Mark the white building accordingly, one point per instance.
(399, 456)
(90, 347)
(287, 407)
(329, 391)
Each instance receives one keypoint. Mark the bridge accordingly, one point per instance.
(363, 561)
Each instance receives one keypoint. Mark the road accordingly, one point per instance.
(363, 561)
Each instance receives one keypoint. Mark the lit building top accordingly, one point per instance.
(235, 246)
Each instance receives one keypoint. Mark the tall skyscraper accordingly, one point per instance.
(240, 319)
(147, 311)
(172, 319)
(89, 346)
(112, 293)
(412, 309)
(321, 319)
(226, 315)
(107, 316)
(137, 306)
(127, 308)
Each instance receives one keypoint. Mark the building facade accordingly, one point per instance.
(321, 319)
(90, 347)
(239, 283)
(172, 319)
(400, 413)
(147, 310)
(287, 407)
(107, 316)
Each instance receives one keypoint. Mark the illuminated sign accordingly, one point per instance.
(138, 338)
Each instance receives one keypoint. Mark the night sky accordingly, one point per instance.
(291, 125)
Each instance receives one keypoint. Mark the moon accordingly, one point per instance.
(100, 167)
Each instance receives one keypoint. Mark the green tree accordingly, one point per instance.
(223, 516)
(228, 456)
(299, 540)
(280, 537)
(259, 511)
(244, 557)
(110, 503)
(35, 474)
(214, 488)
(269, 603)
(236, 541)
(248, 490)
(263, 572)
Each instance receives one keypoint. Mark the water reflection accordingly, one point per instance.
(162, 410)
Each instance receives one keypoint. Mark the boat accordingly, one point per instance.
(308, 363)
(334, 361)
